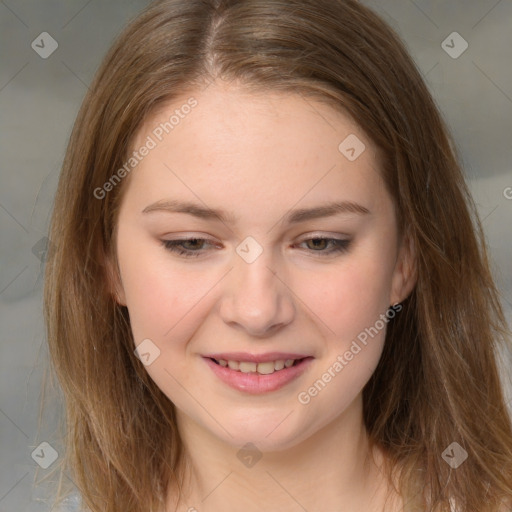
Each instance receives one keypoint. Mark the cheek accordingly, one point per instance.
(166, 304)
(161, 297)
(350, 303)
(346, 298)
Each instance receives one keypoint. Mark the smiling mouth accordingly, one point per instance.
(265, 375)
(265, 368)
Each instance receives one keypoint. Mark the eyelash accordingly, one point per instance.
(340, 246)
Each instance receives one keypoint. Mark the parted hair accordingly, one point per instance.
(438, 379)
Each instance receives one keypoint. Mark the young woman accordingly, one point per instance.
(268, 286)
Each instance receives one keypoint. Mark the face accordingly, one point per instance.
(259, 307)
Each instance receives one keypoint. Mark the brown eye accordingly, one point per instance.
(187, 247)
(193, 243)
(320, 244)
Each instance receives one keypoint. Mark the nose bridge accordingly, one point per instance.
(257, 299)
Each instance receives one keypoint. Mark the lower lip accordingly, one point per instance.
(253, 382)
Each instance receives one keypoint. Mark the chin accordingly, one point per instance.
(268, 433)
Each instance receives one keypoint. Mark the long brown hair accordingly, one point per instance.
(437, 381)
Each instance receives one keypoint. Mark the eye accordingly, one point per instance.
(192, 251)
(194, 247)
(319, 244)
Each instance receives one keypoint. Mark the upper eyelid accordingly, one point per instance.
(213, 243)
(303, 237)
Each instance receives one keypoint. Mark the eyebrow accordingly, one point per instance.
(293, 217)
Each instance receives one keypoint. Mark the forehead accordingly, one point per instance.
(241, 148)
(233, 116)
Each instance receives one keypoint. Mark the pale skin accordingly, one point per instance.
(257, 157)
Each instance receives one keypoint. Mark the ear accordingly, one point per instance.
(405, 272)
(113, 278)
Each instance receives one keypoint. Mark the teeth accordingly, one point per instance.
(247, 367)
(279, 364)
(266, 368)
(233, 365)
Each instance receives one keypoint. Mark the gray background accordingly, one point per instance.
(39, 99)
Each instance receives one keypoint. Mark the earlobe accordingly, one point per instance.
(405, 273)
(118, 291)
(114, 284)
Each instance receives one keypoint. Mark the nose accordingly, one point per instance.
(257, 299)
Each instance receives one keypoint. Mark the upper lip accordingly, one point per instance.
(256, 358)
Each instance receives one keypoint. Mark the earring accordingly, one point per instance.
(393, 310)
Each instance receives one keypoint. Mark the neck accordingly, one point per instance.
(331, 470)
